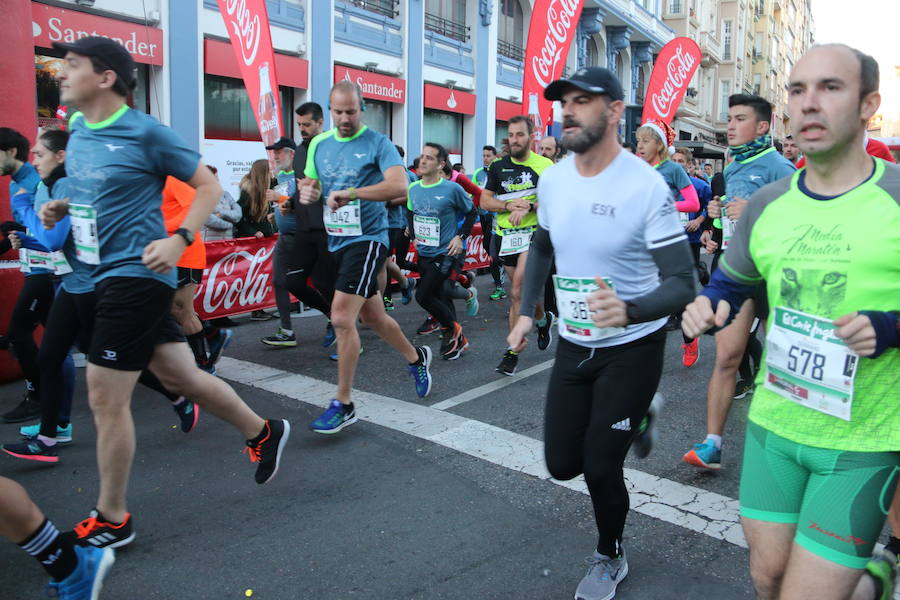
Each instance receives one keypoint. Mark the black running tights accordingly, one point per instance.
(31, 310)
(595, 401)
(431, 293)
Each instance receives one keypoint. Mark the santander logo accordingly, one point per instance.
(679, 70)
(545, 65)
(246, 28)
(237, 278)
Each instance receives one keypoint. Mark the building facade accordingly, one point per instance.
(448, 71)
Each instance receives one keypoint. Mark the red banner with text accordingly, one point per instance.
(553, 24)
(247, 23)
(672, 73)
(238, 274)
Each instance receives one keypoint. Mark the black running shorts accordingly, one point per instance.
(133, 316)
(186, 276)
(358, 266)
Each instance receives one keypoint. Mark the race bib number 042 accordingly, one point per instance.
(343, 222)
(808, 364)
(83, 218)
(576, 318)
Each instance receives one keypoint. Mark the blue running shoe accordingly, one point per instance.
(705, 456)
(63, 434)
(218, 344)
(86, 581)
(408, 292)
(472, 302)
(336, 417)
(334, 355)
(330, 336)
(421, 371)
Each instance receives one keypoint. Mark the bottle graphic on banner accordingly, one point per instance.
(266, 110)
(534, 113)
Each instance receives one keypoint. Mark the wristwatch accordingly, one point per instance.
(352, 193)
(186, 234)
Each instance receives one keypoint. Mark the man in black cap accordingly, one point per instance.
(118, 160)
(611, 222)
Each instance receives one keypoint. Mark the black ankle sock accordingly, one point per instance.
(197, 342)
(55, 552)
(259, 438)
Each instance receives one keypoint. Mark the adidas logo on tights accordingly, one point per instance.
(623, 425)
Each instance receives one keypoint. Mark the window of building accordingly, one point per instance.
(724, 92)
(726, 39)
(378, 116)
(757, 83)
(511, 30)
(445, 129)
(593, 57)
(387, 8)
(448, 18)
(675, 7)
(501, 132)
(758, 45)
(46, 69)
(228, 114)
(641, 87)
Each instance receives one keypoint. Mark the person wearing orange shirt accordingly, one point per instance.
(207, 345)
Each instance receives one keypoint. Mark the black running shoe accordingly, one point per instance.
(188, 414)
(26, 410)
(267, 451)
(428, 326)
(509, 363)
(96, 531)
(545, 333)
(742, 389)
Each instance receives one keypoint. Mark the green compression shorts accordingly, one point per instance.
(838, 499)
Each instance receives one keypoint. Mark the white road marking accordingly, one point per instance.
(687, 506)
(493, 386)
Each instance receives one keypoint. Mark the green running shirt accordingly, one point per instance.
(510, 179)
(827, 258)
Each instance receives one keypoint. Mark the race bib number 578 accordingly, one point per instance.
(808, 364)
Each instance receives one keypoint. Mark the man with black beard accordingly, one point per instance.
(623, 264)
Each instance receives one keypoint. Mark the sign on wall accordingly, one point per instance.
(233, 159)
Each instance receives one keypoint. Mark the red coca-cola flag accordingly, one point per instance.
(248, 27)
(553, 24)
(675, 66)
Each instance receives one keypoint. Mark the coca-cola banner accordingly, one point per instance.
(675, 66)
(238, 274)
(553, 24)
(247, 23)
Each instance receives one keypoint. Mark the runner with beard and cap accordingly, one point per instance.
(822, 450)
(510, 193)
(623, 265)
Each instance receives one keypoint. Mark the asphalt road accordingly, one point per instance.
(411, 502)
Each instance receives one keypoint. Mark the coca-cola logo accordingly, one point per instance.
(246, 27)
(238, 278)
(678, 71)
(545, 64)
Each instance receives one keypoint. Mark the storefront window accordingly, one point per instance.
(501, 131)
(445, 129)
(378, 116)
(46, 69)
(228, 114)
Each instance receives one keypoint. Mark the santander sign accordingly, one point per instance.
(674, 68)
(552, 29)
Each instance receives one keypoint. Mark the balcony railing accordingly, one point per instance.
(446, 27)
(510, 50)
(387, 8)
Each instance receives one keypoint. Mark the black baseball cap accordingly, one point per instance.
(283, 142)
(112, 54)
(595, 80)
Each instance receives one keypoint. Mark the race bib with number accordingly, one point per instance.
(427, 230)
(515, 241)
(84, 232)
(727, 230)
(571, 300)
(684, 218)
(343, 222)
(808, 364)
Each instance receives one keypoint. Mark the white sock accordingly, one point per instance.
(287, 331)
(715, 439)
(47, 440)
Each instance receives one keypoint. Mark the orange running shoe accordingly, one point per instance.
(691, 352)
(96, 531)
